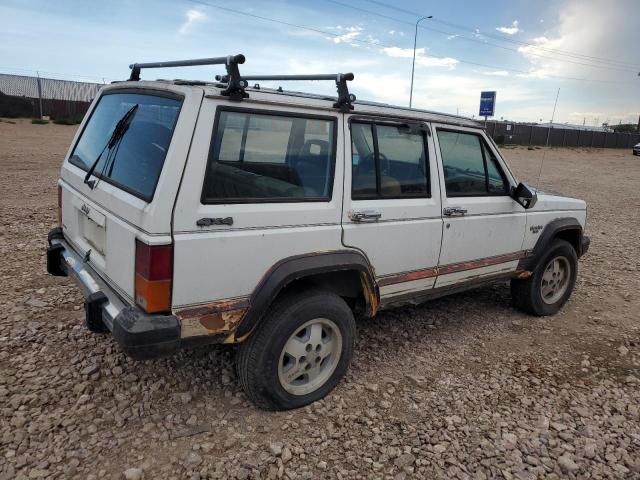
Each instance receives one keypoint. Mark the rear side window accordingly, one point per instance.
(135, 162)
(263, 157)
(388, 161)
(470, 169)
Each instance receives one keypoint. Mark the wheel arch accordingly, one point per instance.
(343, 272)
(566, 228)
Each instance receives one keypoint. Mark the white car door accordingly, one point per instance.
(391, 206)
(483, 226)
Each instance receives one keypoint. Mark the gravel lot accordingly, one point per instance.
(463, 387)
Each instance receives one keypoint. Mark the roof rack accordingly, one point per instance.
(234, 86)
(345, 99)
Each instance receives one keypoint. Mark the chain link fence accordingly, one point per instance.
(24, 96)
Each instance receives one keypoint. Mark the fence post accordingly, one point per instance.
(39, 95)
(564, 136)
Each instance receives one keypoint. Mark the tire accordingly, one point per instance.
(534, 295)
(265, 368)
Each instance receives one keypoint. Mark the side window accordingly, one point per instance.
(388, 161)
(469, 167)
(269, 158)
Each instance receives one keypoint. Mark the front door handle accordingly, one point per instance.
(454, 211)
(364, 216)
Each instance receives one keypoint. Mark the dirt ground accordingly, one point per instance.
(463, 387)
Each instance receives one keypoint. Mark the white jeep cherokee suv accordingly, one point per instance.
(196, 213)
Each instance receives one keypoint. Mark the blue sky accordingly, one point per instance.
(525, 50)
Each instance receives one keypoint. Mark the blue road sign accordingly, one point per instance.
(487, 104)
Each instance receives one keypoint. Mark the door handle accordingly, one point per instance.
(364, 216)
(454, 211)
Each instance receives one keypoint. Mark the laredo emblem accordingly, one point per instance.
(85, 209)
(535, 228)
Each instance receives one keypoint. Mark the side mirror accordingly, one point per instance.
(524, 195)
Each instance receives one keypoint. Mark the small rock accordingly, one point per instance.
(567, 464)
(623, 351)
(286, 455)
(509, 441)
(404, 460)
(275, 448)
(133, 474)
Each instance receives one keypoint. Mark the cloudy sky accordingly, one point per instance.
(524, 50)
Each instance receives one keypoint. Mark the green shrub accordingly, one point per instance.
(39, 121)
(70, 120)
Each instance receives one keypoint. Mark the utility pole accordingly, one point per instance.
(39, 95)
(413, 65)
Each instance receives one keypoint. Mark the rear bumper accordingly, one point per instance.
(140, 335)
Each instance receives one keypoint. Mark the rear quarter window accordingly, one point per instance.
(134, 163)
(260, 156)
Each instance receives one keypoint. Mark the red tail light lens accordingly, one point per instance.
(59, 206)
(154, 272)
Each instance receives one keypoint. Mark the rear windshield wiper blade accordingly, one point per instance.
(118, 132)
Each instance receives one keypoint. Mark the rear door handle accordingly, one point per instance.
(454, 211)
(365, 216)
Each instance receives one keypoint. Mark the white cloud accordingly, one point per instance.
(497, 73)
(398, 52)
(421, 57)
(350, 34)
(193, 16)
(391, 32)
(451, 37)
(512, 30)
(583, 26)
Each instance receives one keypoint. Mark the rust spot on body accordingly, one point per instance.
(212, 319)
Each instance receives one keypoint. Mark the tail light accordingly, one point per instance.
(154, 271)
(59, 206)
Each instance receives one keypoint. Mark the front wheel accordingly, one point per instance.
(299, 351)
(550, 286)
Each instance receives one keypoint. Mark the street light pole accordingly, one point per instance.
(413, 65)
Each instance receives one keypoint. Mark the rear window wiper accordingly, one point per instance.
(118, 132)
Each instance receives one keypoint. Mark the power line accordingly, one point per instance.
(477, 40)
(381, 44)
(505, 39)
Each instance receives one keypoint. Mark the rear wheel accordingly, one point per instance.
(299, 351)
(551, 284)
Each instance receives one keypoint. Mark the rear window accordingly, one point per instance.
(135, 162)
(270, 157)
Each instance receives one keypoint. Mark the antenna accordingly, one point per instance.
(544, 154)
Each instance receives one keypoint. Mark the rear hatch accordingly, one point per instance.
(131, 190)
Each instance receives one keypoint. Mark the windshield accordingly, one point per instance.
(135, 162)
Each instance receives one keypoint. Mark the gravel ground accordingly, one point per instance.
(463, 387)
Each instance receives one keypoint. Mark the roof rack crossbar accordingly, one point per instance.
(235, 84)
(345, 99)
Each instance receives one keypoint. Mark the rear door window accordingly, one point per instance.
(388, 161)
(135, 162)
(270, 157)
